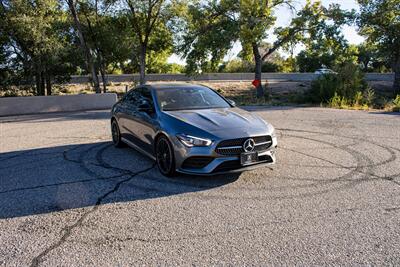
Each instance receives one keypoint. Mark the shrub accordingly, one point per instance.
(347, 83)
(338, 101)
(14, 91)
(369, 96)
(396, 102)
(352, 80)
(324, 88)
(392, 105)
(335, 101)
(65, 90)
(358, 98)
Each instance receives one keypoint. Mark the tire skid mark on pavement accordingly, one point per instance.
(349, 178)
(68, 230)
(83, 165)
(365, 170)
(392, 209)
(102, 162)
(389, 149)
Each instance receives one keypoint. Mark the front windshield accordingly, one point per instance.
(189, 98)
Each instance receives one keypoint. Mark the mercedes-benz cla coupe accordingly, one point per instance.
(191, 129)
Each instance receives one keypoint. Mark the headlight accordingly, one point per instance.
(191, 141)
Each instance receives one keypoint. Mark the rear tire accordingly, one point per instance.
(116, 134)
(165, 157)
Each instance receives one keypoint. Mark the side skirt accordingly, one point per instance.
(129, 143)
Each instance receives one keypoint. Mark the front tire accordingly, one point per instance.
(165, 157)
(116, 134)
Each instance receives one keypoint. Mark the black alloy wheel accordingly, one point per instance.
(165, 157)
(116, 134)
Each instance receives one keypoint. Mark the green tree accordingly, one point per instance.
(324, 42)
(379, 21)
(205, 42)
(371, 59)
(34, 35)
(89, 59)
(145, 18)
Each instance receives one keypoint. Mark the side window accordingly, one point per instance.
(145, 94)
(131, 98)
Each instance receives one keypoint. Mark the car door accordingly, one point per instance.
(140, 125)
(127, 108)
(145, 121)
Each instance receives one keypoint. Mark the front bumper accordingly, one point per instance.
(219, 164)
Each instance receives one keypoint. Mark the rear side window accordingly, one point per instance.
(144, 94)
(131, 97)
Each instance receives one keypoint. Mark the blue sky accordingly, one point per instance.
(284, 16)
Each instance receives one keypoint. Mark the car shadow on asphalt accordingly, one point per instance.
(55, 179)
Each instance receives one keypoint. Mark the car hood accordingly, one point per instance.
(220, 120)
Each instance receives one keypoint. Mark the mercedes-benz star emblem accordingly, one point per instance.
(249, 145)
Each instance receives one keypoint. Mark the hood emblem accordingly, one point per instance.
(249, 145)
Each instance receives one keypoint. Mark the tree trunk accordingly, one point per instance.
(39, 76)
(42, 83)
(48, 84)
(257, 70)
(95, 78)
(88, 56)
(102, 71)
(103, 78)
(38, 83)
(396, 83)
(143, 48)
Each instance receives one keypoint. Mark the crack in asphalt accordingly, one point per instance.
(68, 229)
(62, 183)
(252, 227)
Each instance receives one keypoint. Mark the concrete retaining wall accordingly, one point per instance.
(225, 77)
(41, 104)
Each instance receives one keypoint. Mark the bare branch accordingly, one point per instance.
(135, 22)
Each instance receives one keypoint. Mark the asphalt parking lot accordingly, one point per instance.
(68, 197)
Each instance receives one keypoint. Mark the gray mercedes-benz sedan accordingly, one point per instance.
(192, 129)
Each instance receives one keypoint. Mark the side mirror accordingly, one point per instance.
(233, 103)
(145, 107)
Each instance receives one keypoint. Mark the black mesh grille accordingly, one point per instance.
(239, 142)
(229, 152)
(196, 162)
(235, 164)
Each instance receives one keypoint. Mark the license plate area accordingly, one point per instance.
(248, 158)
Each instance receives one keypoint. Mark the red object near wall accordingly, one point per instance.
(256, 83)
